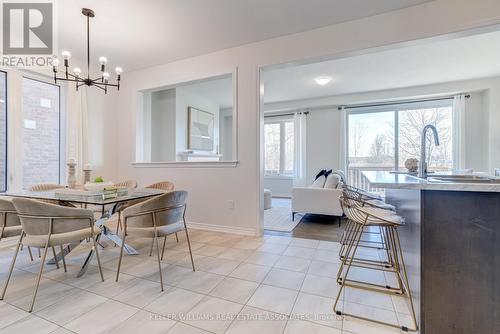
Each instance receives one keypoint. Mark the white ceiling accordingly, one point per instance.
(140, 33)
(459, 59)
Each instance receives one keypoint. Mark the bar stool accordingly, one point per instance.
(363, 217)
(374, 237)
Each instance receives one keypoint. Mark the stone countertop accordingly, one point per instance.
(387, 180)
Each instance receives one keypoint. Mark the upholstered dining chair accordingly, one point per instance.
(45, 187)
(166, 186)
(155, 218)
(10, 225)
(47, 225)
(129, 184)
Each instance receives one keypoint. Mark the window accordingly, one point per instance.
(3, 131)
(383, 138)
(279, 147)
(41, 132)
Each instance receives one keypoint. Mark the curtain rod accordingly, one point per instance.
(287, 114)
(352, 106)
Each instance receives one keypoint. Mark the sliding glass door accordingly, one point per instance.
(3, 131)
(382, 138)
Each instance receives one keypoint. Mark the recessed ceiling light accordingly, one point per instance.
(323, 80)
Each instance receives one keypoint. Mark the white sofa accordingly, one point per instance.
(322, 201)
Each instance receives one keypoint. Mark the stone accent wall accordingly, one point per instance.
(40, 133)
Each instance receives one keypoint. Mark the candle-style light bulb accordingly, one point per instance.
(103, 61)
(77, 71)
(66, 56)
(55, 63)
(105, 76)
(118, 70)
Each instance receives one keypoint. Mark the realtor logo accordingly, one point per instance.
(27, 28)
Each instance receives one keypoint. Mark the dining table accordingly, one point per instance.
(107, 208)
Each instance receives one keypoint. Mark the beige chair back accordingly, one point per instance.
(46, 187)
(166, 209)
(129, 184)
(163, 185)
(36, 216)
(8, 214)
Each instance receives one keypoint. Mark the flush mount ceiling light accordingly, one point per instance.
(101, 82)
(323, 80)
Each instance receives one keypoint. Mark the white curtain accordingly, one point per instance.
(77, 128)
(300, 134)
(459, 131)
(343, 140)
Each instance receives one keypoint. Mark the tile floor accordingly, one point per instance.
(271, 284)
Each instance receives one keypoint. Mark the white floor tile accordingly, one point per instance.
(252, 321)
(235, 290)
(284, 279)
(273, 299)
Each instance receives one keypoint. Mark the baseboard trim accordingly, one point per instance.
(223, 229)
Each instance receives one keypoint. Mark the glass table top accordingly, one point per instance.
(78, 197)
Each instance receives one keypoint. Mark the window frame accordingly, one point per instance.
(6, 109)
(396, 108)
(282, 122)
(60, 148)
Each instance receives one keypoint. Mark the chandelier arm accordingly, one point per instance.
(101, 84)
(68, 79)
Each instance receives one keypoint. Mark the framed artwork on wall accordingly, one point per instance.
(200, 130)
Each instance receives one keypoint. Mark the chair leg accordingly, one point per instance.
(189, 246)
(158, 257)
(30, 253)
(151, 249)
(120, 258)
(44, 255)
(63, 259)
(39, 255)
(55, 257)
(94, 239)
(163, 248)
(119, 224)
(356, 238)
(176, 237)
(12, 266)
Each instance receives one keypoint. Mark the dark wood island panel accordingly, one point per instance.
(453, 239)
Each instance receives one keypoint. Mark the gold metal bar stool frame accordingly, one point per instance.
(361, 218)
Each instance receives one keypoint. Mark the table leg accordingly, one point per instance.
(108, 234)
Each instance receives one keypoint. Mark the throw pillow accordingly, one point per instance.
(332, 181)
(321, 173)
(319, 182)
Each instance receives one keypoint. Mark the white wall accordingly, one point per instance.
(163, 125)
(211, 188)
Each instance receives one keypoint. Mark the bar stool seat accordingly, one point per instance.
(383, 217)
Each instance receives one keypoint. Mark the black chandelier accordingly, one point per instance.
(101, 82)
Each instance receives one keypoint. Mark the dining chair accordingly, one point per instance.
(47, 225)
(46, 187)
(166, 186)
(10, 225)
(129, 184)
(157, 217)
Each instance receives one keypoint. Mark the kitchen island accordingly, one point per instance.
(451, 243)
